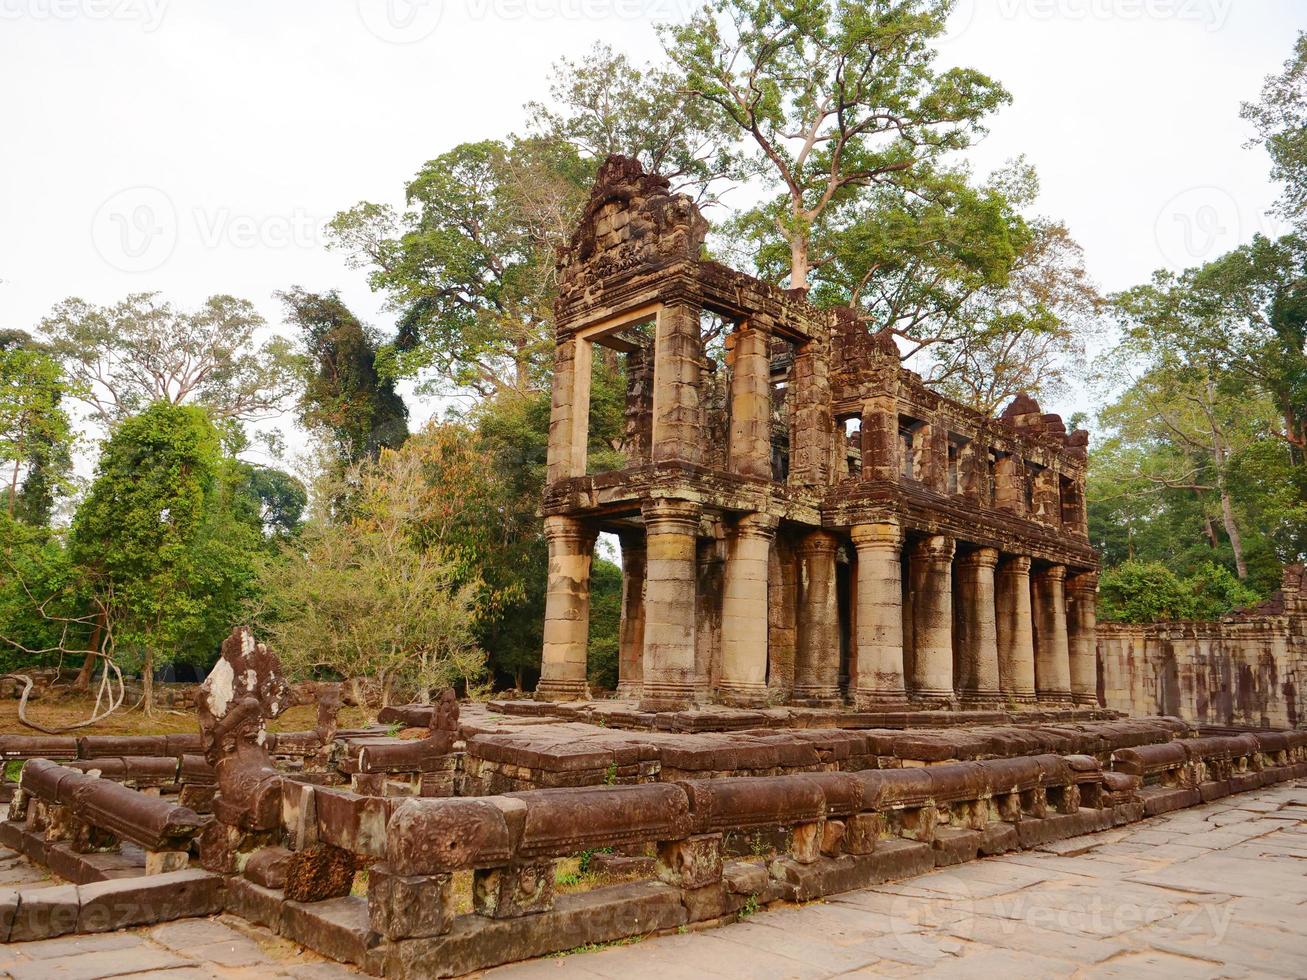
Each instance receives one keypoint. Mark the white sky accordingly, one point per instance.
(243, 125)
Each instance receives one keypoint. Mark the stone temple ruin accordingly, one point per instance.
(769, 556)
(801, 519)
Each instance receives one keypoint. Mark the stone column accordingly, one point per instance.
(677, 413)
(567, 610)
(931, 571)
(879, 605)
(744, 612)
(569, 414)
(750, 445)
(671, 530)
(630, 634)
(1010, 485)
(1016, 640)
(978, 675)
(1052, 656)
(817, 654)
(1082, 636)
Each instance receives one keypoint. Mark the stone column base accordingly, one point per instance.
(561, 690)
(666, 697)
(985, 698)
(932, 697)
(879, 700)
(742, 695)
(1054, 697)
(816, 697)
(1090, 700)
(629, 690)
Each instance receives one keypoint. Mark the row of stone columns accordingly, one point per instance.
(1010, 637)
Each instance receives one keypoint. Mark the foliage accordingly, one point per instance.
(161, 538)
(36, 436)
(603, 104)
(377, 594)
(835, 97)
(469, 264)
(343, 391)
(1281, 121)
(35, 573)
(122, 358)
(1149, 591)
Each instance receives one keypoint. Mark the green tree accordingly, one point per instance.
(161, 539)
(35, 433)
(1281, 121)
(835, 97)
(367, 598)
(605, 623)
(468, 266)
(344, 393)
(124, 357)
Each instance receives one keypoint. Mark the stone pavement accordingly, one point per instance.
(1215, 891)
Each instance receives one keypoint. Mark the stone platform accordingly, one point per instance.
(1214, 891)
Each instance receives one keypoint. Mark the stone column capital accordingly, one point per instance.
(570, 530)
(819, 543)
(671, 516)
(757, 526)
(935, 548)
(1016, 565)
(1082, 582)
(867, 537)
(1054, 573)
(979, 558)
(631, 539)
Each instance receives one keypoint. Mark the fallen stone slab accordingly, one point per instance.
(117, 904)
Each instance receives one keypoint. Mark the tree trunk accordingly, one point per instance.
(1232, 531)
(83, 682)
(798, 260)
(1209, 532)
(517, 679)
(147, 683)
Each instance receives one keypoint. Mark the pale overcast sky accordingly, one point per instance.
(237, 127)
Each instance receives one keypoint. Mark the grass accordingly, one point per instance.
(65, 708)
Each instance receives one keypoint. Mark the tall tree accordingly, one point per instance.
(469, 265)
(35, 433)
(1281, 121)
(122, 358)
(835, 96)
(160, 538)
(345, 393)
(603, 104)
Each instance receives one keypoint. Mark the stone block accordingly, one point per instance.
(862, 831)
(690, 863)
(955, 845)
(832, 838)
(409, 906)
(1213, 789)
(523, 888)
(711, 902)
(123, 902)
(268, 866)
(1159, 800)
(8, 908)
(477, 943)
(257, 904)
(892, 860)
(742, 878)
(44, 913)
(999, 838)
(318, 873)
(338, 927)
